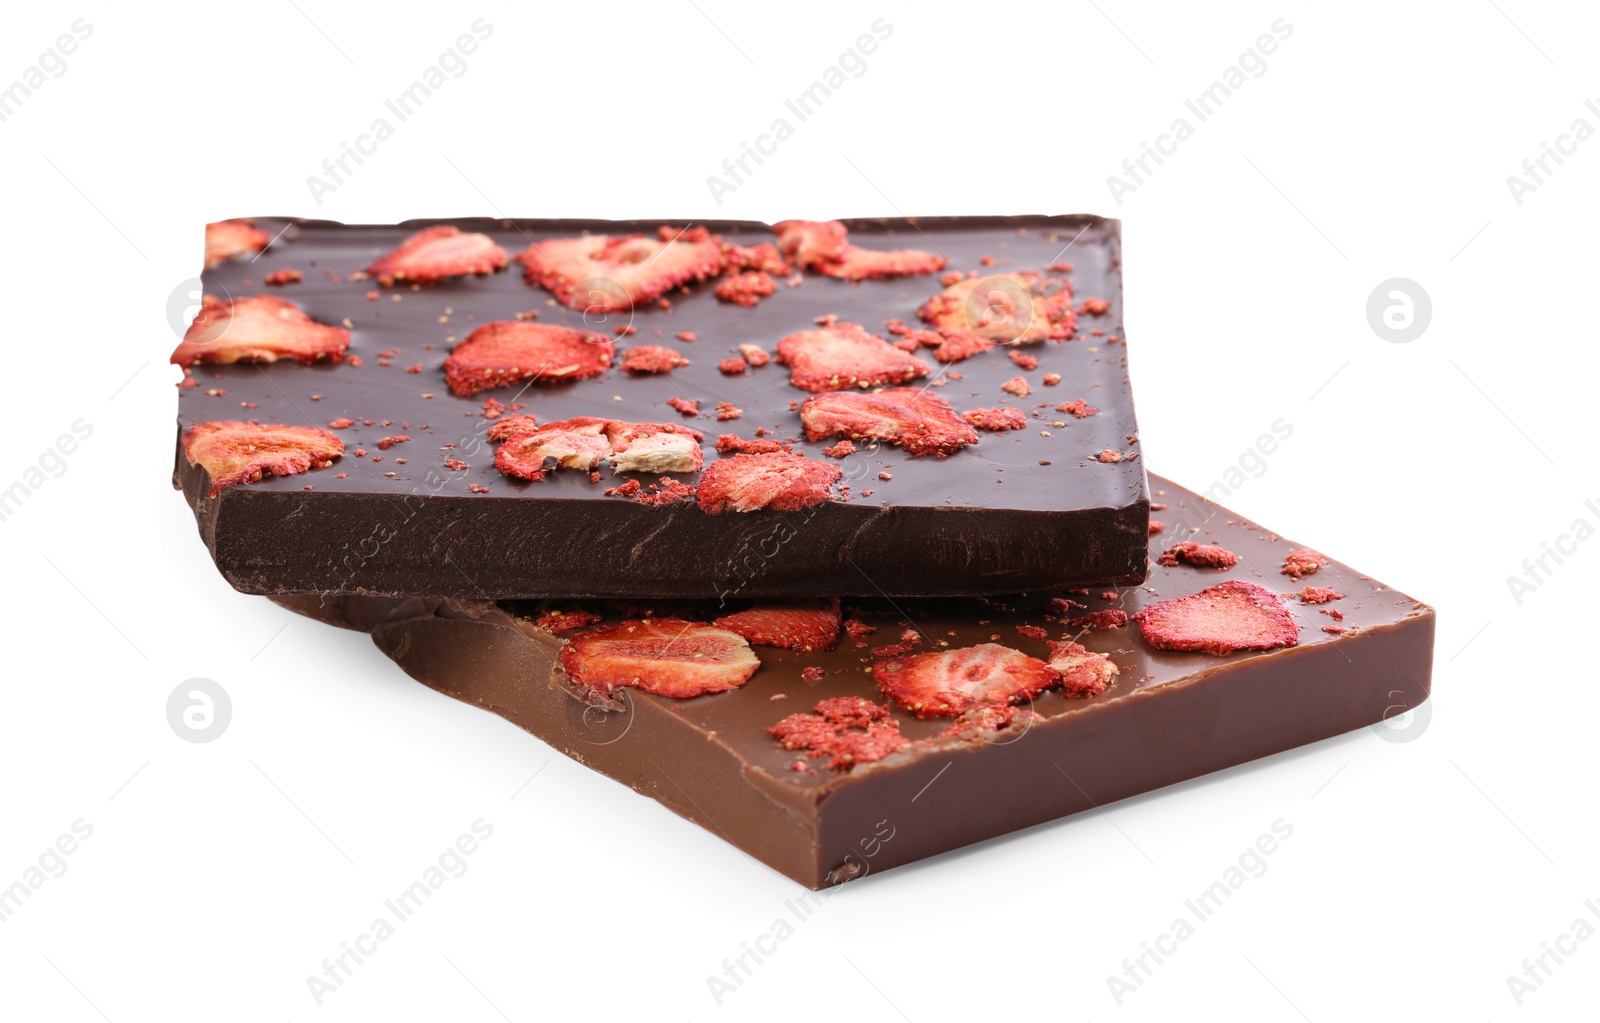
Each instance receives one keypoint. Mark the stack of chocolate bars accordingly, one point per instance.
(833, 537)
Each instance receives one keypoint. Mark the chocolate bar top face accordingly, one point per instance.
(739, 719)
(1034, 507)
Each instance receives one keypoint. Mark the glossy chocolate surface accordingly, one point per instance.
(1020, 510)
(1166, 717)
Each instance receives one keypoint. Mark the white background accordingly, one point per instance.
(1376, 144)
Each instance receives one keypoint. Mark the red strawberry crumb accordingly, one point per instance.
(727, 411)
(287, 275)
(948, 682)
(1024, 360)
(1198, 554)
(1318, 595)
(477, 488)
(987, 718)
(665, 656)
(885, 476)
(685, 406)
(625, 330)
(955, 345)
(813, 673)
(1235, 615)
(921, 423)
(652, 359)
(746, 289)
(846, 729)
(1100, 620)
(895, 325)
(361, 452)
(1333, 613)
(764, 256)
(781, 481)
(1155, 506)
(1077, 409)
(1108, 456)
(686, 335)
(1017, 386)
(233, 452)
(260, 328)
(995, 418)
(894, 649)
(1033, 631)
(1051, 379)
(436, 253)
(601, 273)
(1059, 268)
(805, 627)
(1335, 630)
(729, 442)
(1096, 306)
(840, 450)
(1083, 672)
(732, 367)
(858, 628)
(509, 352)
(1156, 526)
(341, 424)
(456, 465)
(389, 442)
(755, 355)
(1300, 563)
(566, 621)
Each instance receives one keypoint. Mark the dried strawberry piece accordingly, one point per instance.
(436, 253)
(746, 289)
(806, 627)
(1302, 562)
(1017, 386)
(654, 447)
(1077, 409)
(652, 359)
(1318, 595)
(955, 345)
(665, 656)
(259, 328)
(921, 422)
(1156, 526)
(755, 355)
(729, 443)
(847, 729)
(1023, 360)
(1112, 618)
(1033, 631)
(235, 452)
(1083, 672)
(513, 351)
(566, 443)
(1096, 306)
(781, 481)
(988, 718)
(823, 246)
(226, 239)
(388, 442)
(285, 275)
(1200, 555)
(685, 406)
(764, 256)
(948, 682)
(732, 367)
(996, 418)
(840, 450)
(858, 628)
(602, 273)
(507, 427)
(1235, 615)
(1109, 456)
(566, 621)
(1018, 308)
(843, 355)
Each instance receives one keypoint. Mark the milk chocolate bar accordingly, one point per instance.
(522, 408)
(920, 726)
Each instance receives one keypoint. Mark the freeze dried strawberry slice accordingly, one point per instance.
(528, 454)
(921, 422)
(843, 355)
(780, 481)
(805, 627)
(259, 328)
(1300, 563)
(823, 246)
(654, 447)
(514, 351)
(746, 288)
(1230, 616)
(652, 359)
(436, 253)
(812, 241)
(1201, 555)
(605, 273)
(948, 682)
(995, 418)
(1018, 308)
(228, 238)
(1083, 672)
(234, 452)
(665, 656)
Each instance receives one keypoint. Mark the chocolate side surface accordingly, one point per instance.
(1166, 717)
(1022, 509)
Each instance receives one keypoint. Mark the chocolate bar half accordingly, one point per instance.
(1005, 460)
(851, 790)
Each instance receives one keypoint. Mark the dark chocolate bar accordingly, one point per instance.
(415, 502)
(1313, 649)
